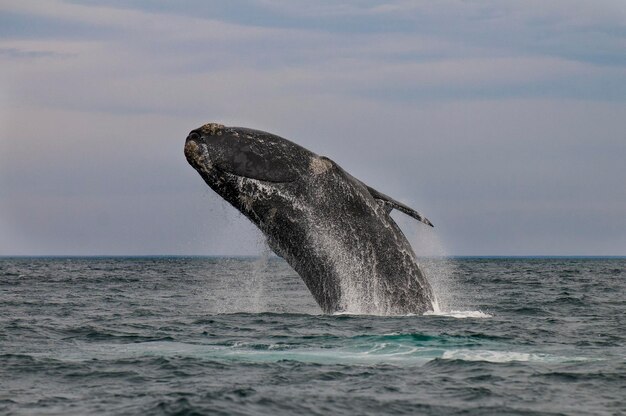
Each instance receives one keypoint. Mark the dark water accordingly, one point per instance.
(243, 336)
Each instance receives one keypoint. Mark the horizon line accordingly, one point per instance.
(244, 256)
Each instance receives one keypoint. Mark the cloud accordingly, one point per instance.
(477, 113)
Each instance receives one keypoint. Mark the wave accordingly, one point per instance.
(393, 349)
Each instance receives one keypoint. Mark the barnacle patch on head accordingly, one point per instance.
(191, 149)
(197, 155)
(212, 129)
(320, 165)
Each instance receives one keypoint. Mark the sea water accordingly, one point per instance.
(521, 336)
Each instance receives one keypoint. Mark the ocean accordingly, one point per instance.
(243, 336)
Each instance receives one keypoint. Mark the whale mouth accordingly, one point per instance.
(251, 176)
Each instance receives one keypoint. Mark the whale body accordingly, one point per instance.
(332, 229)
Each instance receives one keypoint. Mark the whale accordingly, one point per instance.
(332, 229)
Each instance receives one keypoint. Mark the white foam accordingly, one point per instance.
(358, 313)
(491, 356)
(459, 314)
(436, 312)
(507, 356)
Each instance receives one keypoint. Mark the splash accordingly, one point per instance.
(355, 260)
(242, 284)
(258, 278)
(438, 268)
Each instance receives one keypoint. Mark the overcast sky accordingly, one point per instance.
(503, 122)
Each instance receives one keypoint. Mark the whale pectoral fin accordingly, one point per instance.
(389, 203)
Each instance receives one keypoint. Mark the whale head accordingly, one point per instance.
(248, 167)
(227, 153)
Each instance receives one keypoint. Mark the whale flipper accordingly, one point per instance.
(389, 203)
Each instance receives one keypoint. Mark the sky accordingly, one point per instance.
(503, 122)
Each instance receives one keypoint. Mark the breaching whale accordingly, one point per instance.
(334, 231)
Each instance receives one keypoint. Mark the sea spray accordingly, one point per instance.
(248, 292)
(259, 278)
(435, 262)
(252, 293)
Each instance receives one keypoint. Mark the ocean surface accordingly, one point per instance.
(239, 336)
